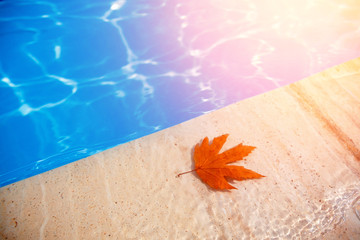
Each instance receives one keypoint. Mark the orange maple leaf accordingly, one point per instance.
(212, 168)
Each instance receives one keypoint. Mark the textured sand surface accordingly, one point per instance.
(308, 146)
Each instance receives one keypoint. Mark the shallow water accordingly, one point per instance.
(77, 78)
(311, 189)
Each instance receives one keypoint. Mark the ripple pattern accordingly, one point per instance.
(78, 77)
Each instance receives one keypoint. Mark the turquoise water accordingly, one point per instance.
(78, 77)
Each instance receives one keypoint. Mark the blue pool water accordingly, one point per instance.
(78, 77)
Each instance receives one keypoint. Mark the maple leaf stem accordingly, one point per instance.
(185, 172)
